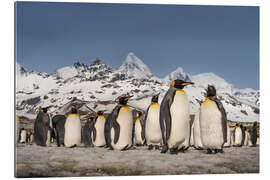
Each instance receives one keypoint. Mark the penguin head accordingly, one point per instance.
(211, 91)
(100, 113)
(180, 84)
(45, 109)
(155, 98)
(73, 110)
(123, 100)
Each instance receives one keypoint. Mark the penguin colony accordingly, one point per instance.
(164, 126)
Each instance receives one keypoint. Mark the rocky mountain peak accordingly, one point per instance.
(179, 73)
(134, 67)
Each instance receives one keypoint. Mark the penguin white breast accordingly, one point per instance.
(211, 125)
(100, 137)
(238, 136)
(72, 131)
(125, 121)
(179, 119)
(152, 127)
(138, 131)
(197, 130)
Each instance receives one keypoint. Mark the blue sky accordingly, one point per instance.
(219, 39)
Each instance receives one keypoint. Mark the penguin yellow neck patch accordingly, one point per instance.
(155, 104)
(101, 116)
(181, 91)
(137, 119)
(73, 114)
(125, 108)
(207, 100)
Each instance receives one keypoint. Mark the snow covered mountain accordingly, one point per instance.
(100, 85)
(134, 67)
(177, 74)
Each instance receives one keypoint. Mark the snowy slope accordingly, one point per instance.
(100, 84)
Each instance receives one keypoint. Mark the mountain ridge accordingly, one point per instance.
(100, 82)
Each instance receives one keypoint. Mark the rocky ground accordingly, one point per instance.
(35, 161)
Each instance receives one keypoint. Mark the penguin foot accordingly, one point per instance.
(209, 151)
(220, 151)
(150, 147)
(182, 150)
(156, 147)
(198, 148)
(164, 149)
(110, 148)
(73, 146)
(174, 151)
(125, 148)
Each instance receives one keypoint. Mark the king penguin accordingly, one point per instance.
(121, 125)
(72, 136)
(99, 137)
(213, 121)
(88, 132)
(238, 136)
(58, 122)
(42, 127)
(174, 117)
(197, 130)
(152, 126)
(139, 129)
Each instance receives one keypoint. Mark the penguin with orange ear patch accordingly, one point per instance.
(174, 118)
(196, 129)
(99, 124)
(213, 122)
(152, 126)
(72, 137)
(88, 132)
(42, 127)
(139, 129)
(121, 125)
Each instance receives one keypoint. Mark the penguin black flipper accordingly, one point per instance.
(143, 128)
(114, 123)
(165, 115)
(133, 133)
(107, 129)
(223, 117)
(94, 133)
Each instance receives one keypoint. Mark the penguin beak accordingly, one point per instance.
(187, 83)
(127, 98)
